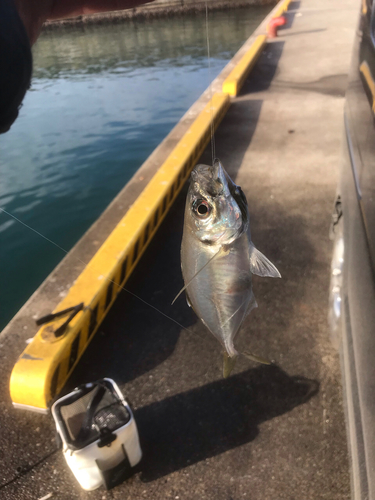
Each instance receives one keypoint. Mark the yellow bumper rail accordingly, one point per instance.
(236, 78)
(283, 8)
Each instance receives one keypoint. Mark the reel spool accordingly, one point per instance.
(98, 432)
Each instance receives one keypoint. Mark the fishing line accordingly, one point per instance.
(34, 230)
(210, 89)
(22, 471)
(106, 278)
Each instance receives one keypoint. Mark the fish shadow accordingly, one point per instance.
(207, 421)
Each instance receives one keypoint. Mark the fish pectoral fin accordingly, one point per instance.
(253, 357)
(260, 265)
(228, 364)
(196, 274)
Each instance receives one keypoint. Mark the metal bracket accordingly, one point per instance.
(50, 317)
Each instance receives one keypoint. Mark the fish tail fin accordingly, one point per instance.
(258, 359)
(228, 364)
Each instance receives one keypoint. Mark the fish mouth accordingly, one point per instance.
(205, 181)
(212, 180)
(218, 170)
(222, 177)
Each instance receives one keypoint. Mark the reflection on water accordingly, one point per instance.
(163, 43)
(102, 99)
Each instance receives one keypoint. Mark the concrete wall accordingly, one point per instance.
(212, 2)
(158, 8)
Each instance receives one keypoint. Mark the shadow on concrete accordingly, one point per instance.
(333, 85)
(135, 339)
(136, 336)
(209, 420)
(265, 70)
(290, 15)
(239, 124)
(302, 32)
(295, 5)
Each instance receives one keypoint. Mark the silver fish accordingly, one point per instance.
(218, 257)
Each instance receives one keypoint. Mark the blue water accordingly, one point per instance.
(102, 99)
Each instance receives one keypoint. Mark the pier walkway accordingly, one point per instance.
(265, 433)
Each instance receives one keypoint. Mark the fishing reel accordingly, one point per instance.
(98, 433)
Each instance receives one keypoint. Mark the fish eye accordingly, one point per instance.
(201, 209)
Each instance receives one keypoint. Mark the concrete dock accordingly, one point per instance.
(267, 432)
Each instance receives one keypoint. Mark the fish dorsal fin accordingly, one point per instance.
(260, 265)
(196, 274)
